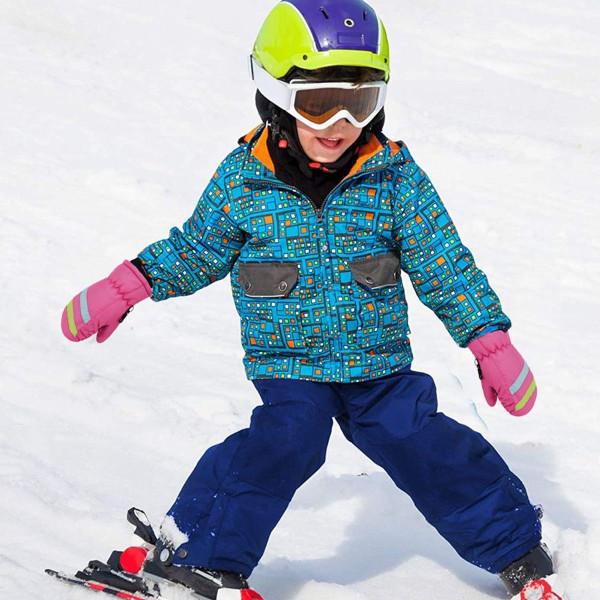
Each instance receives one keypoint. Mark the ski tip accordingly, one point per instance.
(55, 573)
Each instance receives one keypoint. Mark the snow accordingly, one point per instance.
(169, 531)
(114, 116)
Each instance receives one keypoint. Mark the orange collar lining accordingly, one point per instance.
(368, 151)
(261, 151)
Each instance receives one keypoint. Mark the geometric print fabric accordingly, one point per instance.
(328, 326)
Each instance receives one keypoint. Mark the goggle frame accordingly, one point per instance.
(283, 95)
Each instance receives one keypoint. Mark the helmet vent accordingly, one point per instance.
(364, 15)
(324, 12)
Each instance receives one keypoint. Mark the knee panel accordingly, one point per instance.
(286, 444)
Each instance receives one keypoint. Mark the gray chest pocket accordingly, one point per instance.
(268, 279)
(377, 272)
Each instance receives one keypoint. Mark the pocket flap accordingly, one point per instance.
(377, 272)
(268, 279)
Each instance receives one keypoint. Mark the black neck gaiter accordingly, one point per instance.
(295, 168)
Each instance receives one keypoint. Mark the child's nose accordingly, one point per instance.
(341, 124)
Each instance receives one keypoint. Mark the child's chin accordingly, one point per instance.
(326, 157)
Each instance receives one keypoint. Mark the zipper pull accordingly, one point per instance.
(126, 313)
(479, 369)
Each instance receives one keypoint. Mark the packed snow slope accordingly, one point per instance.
(113, 116)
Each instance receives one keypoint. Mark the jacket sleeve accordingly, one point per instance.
(204, 250)
(442, 270)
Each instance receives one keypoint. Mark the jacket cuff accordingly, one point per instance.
(137, 262)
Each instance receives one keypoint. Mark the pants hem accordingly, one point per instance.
(514, 554)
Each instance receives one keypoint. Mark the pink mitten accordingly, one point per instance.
(103, 306)
(503, 373)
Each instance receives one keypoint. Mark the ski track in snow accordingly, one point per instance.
(114, 116)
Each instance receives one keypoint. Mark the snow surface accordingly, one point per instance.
(114, 115)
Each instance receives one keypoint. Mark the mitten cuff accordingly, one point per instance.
(130, 283)
(489, 343)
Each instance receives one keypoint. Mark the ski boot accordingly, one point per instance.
(209, 584)
(532, 577)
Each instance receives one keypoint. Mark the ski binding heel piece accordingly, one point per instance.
(547, 588)
(231, 594)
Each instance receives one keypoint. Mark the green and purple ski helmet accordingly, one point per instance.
(312, 34)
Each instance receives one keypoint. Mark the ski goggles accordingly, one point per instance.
(320, 105)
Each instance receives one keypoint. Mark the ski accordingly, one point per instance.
(129, 575)
(102, 587)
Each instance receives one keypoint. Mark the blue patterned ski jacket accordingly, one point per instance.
(319, 292)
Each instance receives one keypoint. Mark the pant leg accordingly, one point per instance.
(240, 488)
(453, 475)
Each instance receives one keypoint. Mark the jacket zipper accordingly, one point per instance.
(334, 346)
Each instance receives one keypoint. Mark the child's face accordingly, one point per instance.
(327, 145)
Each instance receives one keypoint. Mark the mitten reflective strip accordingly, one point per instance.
(83, 306)
(520, 379)
(527, 396)
(514, 388)
(83, 311)
(71, 320)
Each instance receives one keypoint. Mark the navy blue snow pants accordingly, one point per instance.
(240, 488)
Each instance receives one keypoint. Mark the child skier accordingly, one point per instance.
(315, 214)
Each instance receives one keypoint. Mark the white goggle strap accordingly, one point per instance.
(272, 89)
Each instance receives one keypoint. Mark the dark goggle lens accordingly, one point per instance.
(319, 105)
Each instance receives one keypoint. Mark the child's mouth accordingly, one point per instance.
(330, 143)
